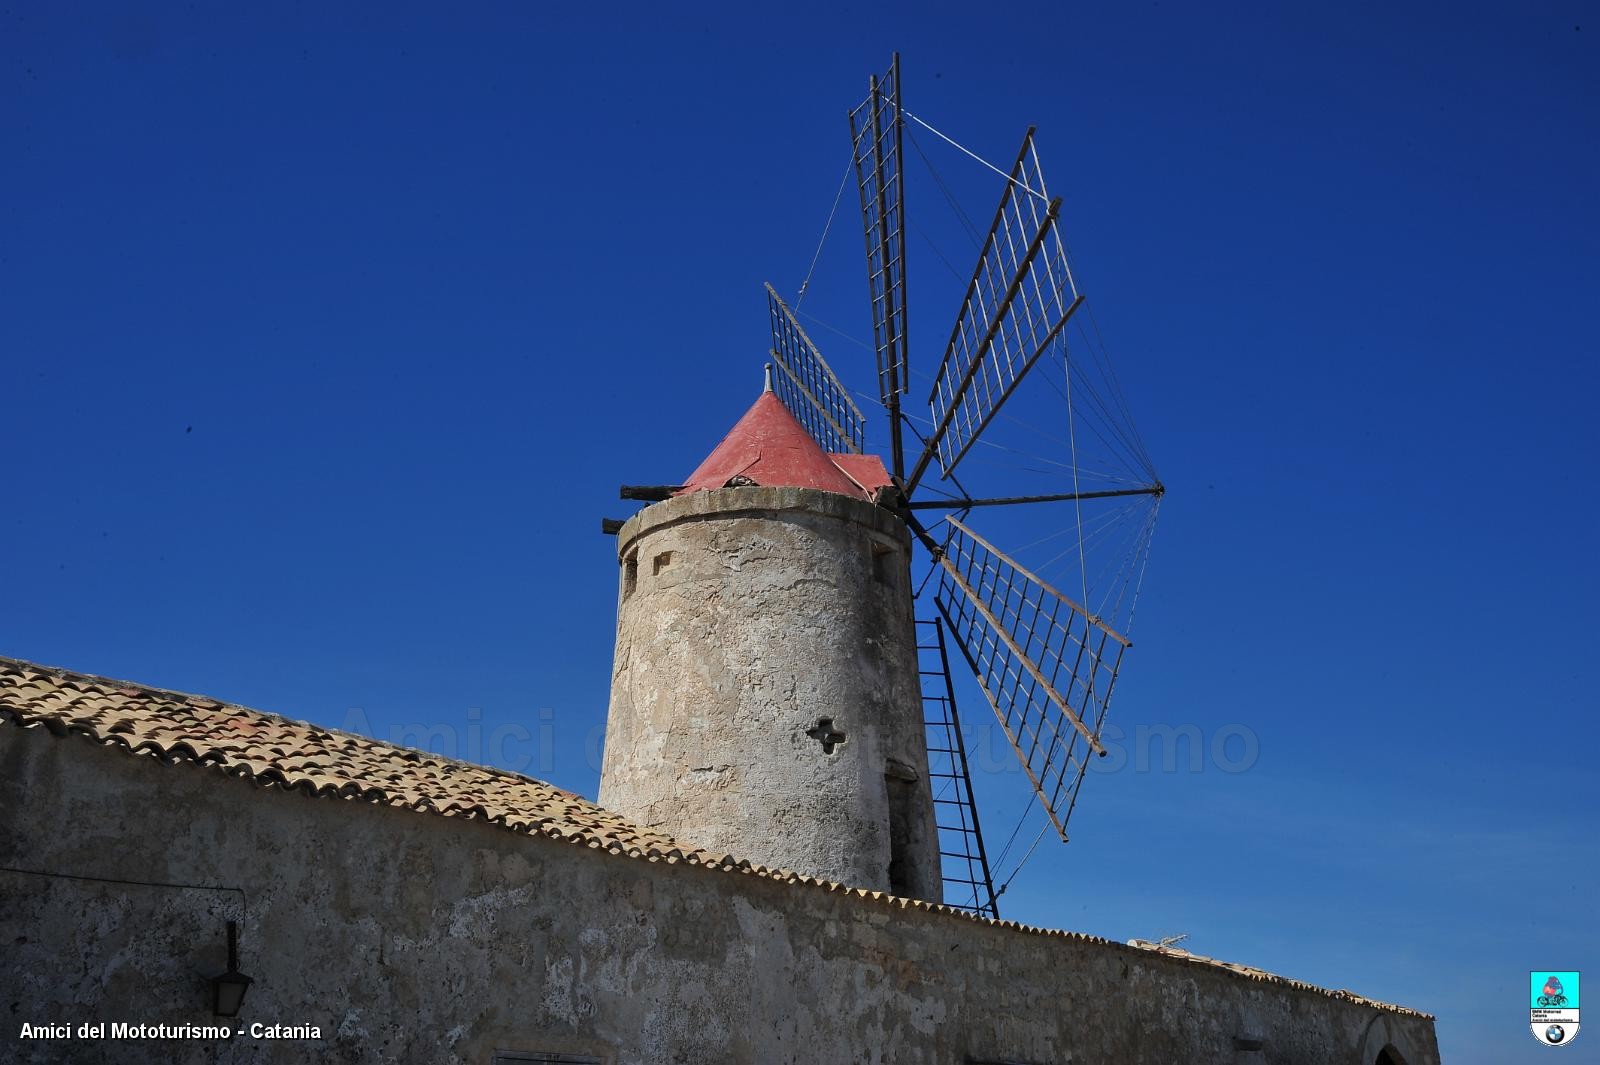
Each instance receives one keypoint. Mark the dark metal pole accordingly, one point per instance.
(1157, 490)
(920, 531)
(653, 493)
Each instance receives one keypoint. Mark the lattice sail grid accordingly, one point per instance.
(1045, 665)
(809, 388)
(1018, 302)
(875, 135)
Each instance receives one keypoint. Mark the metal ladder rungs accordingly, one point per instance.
(967, 866)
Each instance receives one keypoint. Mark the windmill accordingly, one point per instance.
(1045, 661)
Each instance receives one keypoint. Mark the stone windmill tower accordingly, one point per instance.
(765, 697)
(775, 694)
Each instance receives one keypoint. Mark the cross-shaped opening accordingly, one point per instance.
(825, 733)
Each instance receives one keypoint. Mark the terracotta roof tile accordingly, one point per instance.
(276, 751)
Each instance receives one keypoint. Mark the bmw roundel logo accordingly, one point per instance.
(1555, 1034)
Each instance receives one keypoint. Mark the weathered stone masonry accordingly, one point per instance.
(410, 937)
(765, 698)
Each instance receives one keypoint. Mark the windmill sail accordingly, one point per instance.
(1045, 664)
(876, 130)
(807, 385)
(1017, 304)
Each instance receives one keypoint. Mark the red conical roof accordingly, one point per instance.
(769, 447)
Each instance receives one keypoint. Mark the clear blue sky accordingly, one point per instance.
(328, 336)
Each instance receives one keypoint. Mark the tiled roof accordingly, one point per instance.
(279, 752)
(274, 751)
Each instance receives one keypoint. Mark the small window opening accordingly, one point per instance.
(901, 783)
(662, 561)
(882, 563)
(630, 575)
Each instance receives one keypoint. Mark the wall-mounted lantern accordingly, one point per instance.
(227, 990)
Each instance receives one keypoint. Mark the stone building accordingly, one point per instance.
(394, 906)
(765, 697)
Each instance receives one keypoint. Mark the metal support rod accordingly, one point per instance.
(920, 531)
(1157, 490)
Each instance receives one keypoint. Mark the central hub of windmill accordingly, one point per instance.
(765, 699)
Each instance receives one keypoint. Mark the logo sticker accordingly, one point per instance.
(1553, 1007)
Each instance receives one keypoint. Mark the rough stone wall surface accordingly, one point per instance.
(410, 938)
(746, 618)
